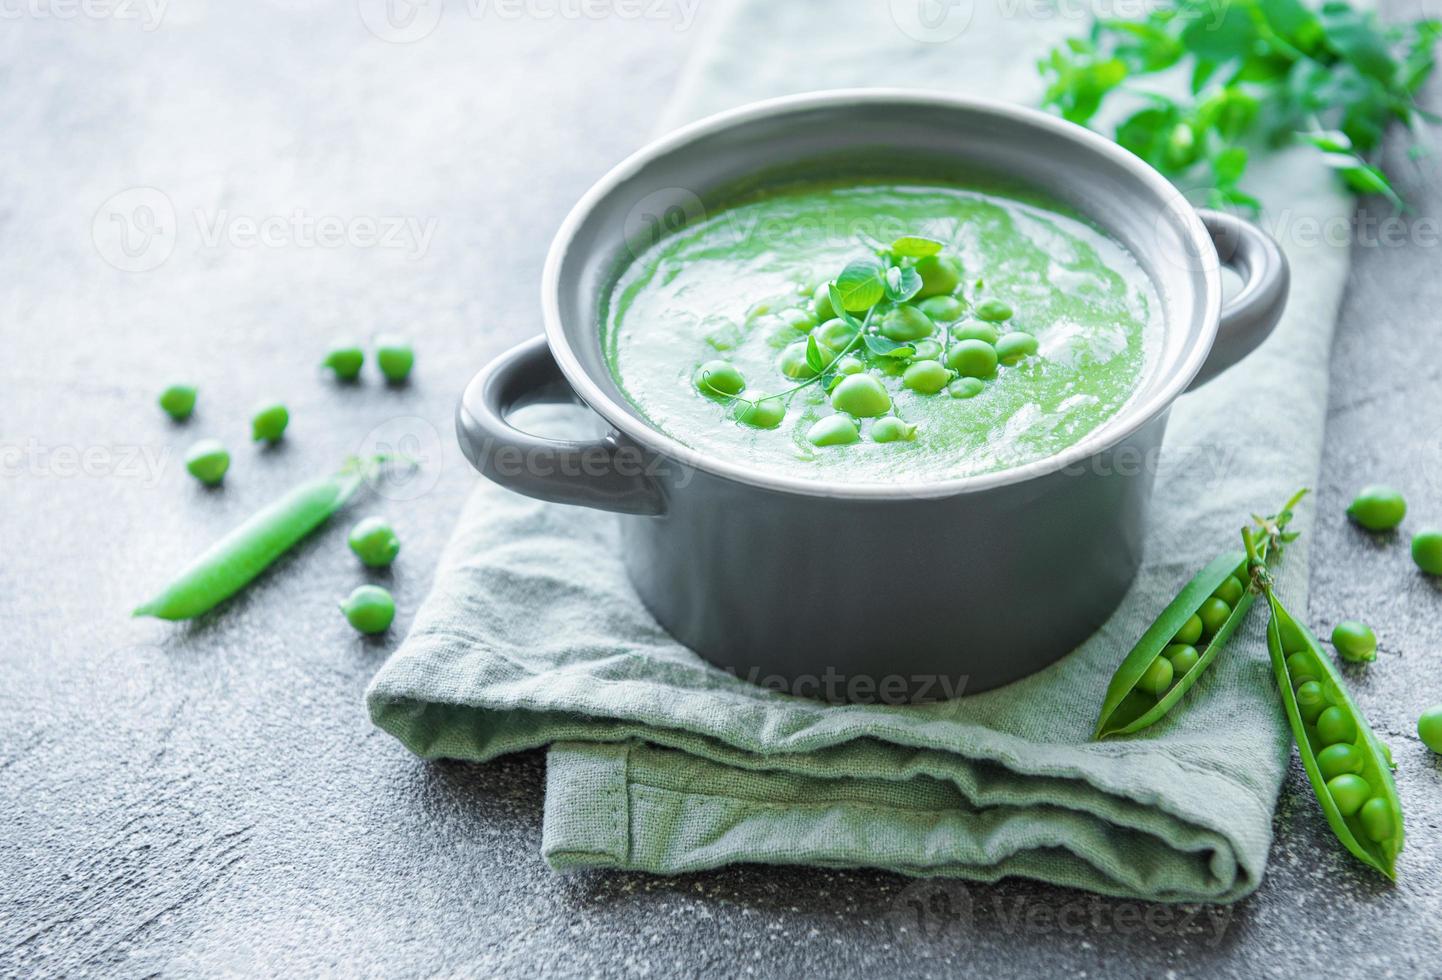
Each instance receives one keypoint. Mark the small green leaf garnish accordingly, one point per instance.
(861, 284)
(886, 347)
(814, 360)
(915, 247)
(902, 283)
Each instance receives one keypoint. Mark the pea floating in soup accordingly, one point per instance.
(877, 332)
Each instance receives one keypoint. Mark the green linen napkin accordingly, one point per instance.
(533, 636)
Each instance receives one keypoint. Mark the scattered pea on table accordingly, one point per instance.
(374, 542)
(1427, 550)
(394, 357)
(345, 359)
(1377, 508)
(370, 609)
(178, 401)
(269, 422)
(1429, 728)
(207, 461)
(1354, 641)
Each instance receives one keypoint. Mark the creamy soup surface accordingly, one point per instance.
(741, 290)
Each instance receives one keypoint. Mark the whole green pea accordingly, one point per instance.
(834, 430)
(861, 395)
(1335, 725)
(178, 401)
(1429, 728)
(1427, 550)
(792, 362)
(966, 388)
(1311, 701)
(994, 311)
(850, 364)
(374, 542)
(798, 319)
(1183, 657)
(1337, 759)
(1012, 348)
(940, 274)
(821, 302)
(972, 359)
(1302, 668)
(926, 350)
(1349, 791)
(1377, 508)
(1231, 590)
(207, 461)
(370, 609)
(721, 377)
(345, 359)
(394, 357)
(1377, 821)
(1157, 677)
(759, 413)
(926, 377)
(1190, 632)
(1214, 613)
(1292, 637)
(892, 429)
(834, 334)
(906, 322)
(943, 309)
(268, 422)
(973, 330)
(1354, 641)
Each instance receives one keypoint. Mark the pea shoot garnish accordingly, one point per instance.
(892, 322)
(1267, 72)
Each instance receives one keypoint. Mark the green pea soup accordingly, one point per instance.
(738, 285)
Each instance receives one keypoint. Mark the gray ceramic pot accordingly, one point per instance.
(998, 575)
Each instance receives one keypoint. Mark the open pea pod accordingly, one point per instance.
(1128, 706)
(1348, 767)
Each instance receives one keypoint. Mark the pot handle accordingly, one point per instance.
(1249, 316)
(601, 473)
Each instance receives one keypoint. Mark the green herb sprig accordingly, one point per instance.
(1261, 72)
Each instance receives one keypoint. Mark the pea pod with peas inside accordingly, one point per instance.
(1184, 640)
(1345, 763)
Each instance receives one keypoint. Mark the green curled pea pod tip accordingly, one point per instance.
(1377, 508)
(178, 401)
(1429, 728)
(370, 609)
(268, 422)
(345, 359)
(207, 461)
(374, 542)
(1427, 550)
(395, 357)
(1354, 641)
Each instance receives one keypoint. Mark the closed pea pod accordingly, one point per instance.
(1345, 763)
(237, 558)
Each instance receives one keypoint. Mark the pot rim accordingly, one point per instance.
(1125, 423)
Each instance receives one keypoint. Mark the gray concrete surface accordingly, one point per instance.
(209, 798)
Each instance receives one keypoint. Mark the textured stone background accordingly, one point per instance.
(210, 797)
